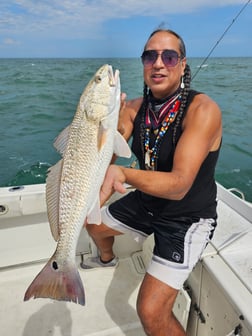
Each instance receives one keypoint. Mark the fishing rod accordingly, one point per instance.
(218, 41)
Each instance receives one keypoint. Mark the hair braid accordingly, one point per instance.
(144, 108)
(185, 92)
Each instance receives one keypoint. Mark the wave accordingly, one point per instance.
(35, 174)
(202, 66)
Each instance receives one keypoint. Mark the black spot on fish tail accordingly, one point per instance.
(55, 265)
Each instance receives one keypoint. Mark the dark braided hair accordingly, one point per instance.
(185, 91)
(142, 123)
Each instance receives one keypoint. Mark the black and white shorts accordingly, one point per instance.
(179, 242)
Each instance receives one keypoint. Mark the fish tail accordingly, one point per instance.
(63, 285)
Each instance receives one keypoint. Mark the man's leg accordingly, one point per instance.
(103, 237)
(154, 307)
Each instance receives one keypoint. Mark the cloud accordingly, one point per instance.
(86, 17)
(9, 41)
(97, 27)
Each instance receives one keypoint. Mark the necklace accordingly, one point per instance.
(168, 113)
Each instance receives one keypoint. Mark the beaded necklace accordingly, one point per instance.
(168, 112)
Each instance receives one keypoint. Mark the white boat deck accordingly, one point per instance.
(221, 284)
(109, 309)
(233, 237)
(26, 244)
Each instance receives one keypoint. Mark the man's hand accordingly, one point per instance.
(113, 181)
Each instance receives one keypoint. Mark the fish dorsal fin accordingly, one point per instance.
(60, 142)
(121, 147)
(52, 198)
(94, 214)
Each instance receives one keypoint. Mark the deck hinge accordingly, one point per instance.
(237, 330)
(199, 313)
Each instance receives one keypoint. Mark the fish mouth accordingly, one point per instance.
(113, 77)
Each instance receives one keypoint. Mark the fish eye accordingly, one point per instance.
(98, 79)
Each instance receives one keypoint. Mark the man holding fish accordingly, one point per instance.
(177, 136)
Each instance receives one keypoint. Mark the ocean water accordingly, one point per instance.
(38, 98)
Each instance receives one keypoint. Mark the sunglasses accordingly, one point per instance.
(169, 57)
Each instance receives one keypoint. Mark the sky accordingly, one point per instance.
(120, 28)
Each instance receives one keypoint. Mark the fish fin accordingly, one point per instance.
(52, 198)
(60, 142)
(102, 137)
(94, 215)
(62, 285)
(121, 147)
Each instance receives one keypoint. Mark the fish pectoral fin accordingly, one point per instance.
(61, 141)
(102, 137)
(121, 147)
(94, 215)
(52, 198)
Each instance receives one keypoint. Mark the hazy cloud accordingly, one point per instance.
(9, 41)
(57, 16)
(93, 27)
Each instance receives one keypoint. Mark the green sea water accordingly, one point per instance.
(38, 98)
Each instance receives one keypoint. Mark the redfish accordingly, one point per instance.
(73, 184)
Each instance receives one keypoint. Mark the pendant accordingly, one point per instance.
(147, 160)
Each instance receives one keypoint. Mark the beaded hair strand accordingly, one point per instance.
(142, 124)
(185, 93)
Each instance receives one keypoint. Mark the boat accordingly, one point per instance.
(216, 299)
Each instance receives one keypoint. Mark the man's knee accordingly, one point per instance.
(154, 305)
(100, 231)
(94, 230)
(146, 315)
(154, 319)
(159, 320)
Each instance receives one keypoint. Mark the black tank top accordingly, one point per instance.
(200, 201)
